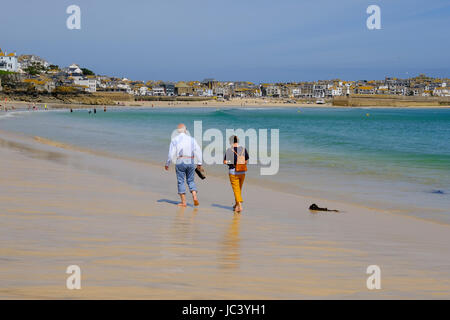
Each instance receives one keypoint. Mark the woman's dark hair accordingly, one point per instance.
(234, 139)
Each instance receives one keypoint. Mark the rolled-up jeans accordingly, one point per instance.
(185, 172)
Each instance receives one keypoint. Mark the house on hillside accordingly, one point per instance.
(90, 84)
(27, 60)
(74, 70)
(8, 62)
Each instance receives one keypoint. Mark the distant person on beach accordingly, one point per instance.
(104, 109)
(95, 110)
(188, 154)
(236, 158)
(71, 110)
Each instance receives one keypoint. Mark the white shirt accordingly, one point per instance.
(184, 148)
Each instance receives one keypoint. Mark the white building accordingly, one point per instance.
(8, 62)
(319, 90)
(74, 69)
(158, 91)
(334, 91)
(296, 92)
(222, 91)
(143, 91)
(205, 92)
(26, 61)
(124, 87)
(441, 92)
(273, 91)
(89, 84)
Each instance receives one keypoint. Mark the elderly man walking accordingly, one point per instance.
(186, 154)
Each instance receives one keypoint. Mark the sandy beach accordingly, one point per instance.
(118, 221)
(232, 103)
(323, 128)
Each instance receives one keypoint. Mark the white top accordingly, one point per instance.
(184, 149)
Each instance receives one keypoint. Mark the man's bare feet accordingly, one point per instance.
(183, 200)
(238, 207)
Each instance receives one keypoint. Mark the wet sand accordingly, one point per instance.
(118, 221)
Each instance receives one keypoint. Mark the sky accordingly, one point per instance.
(234, 40)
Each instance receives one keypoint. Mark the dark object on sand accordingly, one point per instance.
(315, 207)
(201, 173)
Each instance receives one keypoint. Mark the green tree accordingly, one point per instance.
(34, 69)
(53, 67)
(87, 72)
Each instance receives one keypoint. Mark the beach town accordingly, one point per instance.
(30, 76)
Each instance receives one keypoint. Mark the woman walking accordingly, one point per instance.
(236, 158)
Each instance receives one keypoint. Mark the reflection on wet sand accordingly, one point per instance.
(230, 253)
(104, 215)
(33, 152)
(182, 227)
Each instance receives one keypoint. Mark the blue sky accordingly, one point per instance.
(260, 41)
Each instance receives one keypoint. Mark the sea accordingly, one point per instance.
(383, 158)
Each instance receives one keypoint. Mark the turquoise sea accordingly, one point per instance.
(394, 159)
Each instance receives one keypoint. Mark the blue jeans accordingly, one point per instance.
(185, 171)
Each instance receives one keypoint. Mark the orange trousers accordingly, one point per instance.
(236, 183)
